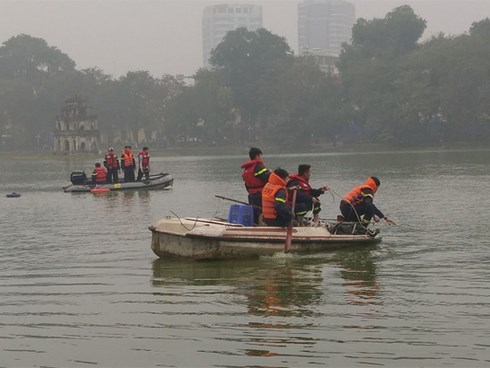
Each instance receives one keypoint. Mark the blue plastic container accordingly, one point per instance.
(241, 214)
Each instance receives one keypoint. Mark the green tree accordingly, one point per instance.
(372, 65)
(28, 57)
(138, 101)
(250, 62)
(31, 74)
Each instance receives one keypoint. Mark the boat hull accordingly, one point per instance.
(221, 241)
(159, 181)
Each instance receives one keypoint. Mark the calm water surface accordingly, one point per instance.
(79, 285)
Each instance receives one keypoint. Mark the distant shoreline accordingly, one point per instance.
(243, 151)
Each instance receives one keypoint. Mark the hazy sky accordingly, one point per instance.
(165, 36)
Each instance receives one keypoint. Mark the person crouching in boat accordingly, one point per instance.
(306, 196)
(255, 175)
(111, 163)
(144, 164)
(275, 210)
(358, 206)
(99, 175)
(128, 164)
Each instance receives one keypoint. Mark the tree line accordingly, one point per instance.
(390, 89)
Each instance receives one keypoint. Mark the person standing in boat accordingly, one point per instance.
(306, 196)
(111, 163)
(144, 164)
(358, 206)
(275, 210)
(99, 175)
(255, 175)
(128, 164)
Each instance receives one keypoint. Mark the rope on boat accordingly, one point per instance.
(357, 215)
(195, 222)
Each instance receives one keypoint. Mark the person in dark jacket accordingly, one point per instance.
(306, 196)
(144, 164)
(111, 163)
(275, 209)
(255, 175)
(128, 164)
(358, 206)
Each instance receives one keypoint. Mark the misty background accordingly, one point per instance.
(165, 36)
(78, 76)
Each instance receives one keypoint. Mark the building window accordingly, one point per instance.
(238, 10)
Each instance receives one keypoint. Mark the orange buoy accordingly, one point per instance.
(100, 190)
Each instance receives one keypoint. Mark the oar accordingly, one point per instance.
(236, 201)
(289, 235)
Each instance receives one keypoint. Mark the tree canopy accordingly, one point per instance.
(390, 88)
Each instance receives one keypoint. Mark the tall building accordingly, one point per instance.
(217, 20)
(323, 25)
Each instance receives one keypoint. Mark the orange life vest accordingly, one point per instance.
(356, 195)
(100, 175)
(302, 183)
(128, 159)
(145, 158)
(253, 183)
(269, 196)
(111, 160)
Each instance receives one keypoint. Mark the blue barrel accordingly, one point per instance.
(241, 214)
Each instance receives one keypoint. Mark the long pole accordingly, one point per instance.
(236, 201)
(289, 235)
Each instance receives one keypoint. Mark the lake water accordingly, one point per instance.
(80, 286)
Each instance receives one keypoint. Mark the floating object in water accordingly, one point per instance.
(13, 195)
(100, 190)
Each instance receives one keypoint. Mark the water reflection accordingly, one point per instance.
(284, 287)
(360, 276)
(78, 277)
(113, 201)
(279, 297)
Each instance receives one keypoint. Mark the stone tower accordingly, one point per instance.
(77, 128)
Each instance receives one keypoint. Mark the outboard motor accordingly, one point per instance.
(78, 178)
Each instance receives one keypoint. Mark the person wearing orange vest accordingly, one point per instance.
(358, 206)
(111, 163)
(128, 164)
(275, 210)
(255, 175)
(144, 164)
(306, 196)
(99, 175)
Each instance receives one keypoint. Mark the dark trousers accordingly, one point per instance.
(301, 208)
(145, 171)
(280, 222)
(128, 174)
(255, 199)
(361, 209)
(112, 176)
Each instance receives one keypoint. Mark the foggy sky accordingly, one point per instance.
(165, 36)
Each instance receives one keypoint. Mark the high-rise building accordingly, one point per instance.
(217, 20)
(323, 25)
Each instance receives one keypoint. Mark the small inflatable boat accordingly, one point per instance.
(80, 184)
